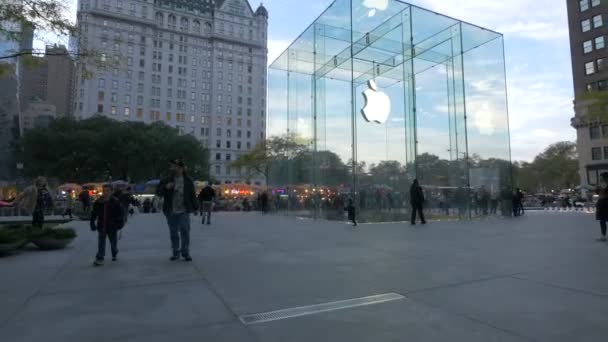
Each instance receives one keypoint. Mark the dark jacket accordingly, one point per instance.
(350, 209)
(207, 194)
(107, 215)
(416, 195)
(190, 201)
(44, 200)
(601, 206)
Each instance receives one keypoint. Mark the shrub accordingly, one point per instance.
(53, 233)
(12, 235)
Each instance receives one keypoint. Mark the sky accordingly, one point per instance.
(537, 52)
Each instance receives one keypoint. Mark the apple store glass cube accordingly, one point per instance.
(377, 93)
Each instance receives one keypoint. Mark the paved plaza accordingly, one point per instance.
(539, 278)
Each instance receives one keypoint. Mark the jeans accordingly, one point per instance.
(38, 218)
(417, 208)
(206, 211)
(112, 235)
(179, 228)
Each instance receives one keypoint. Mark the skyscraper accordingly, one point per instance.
(588, 23)
(199, 66)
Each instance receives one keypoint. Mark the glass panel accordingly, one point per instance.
(489, 155)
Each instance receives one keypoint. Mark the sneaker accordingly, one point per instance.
(173, 258)
(602, 239)
(98, 262)
(114, 258)
(188, 258)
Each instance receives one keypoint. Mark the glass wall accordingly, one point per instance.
(377, 93)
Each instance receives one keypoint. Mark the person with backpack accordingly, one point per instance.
(107, 219)
(35, 199)
(417, 202)
(206, 198)
(179, 201)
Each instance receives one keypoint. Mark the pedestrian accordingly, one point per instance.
(147, 206)
(179, 201)
(69, 206)
(206, 198)
(264, 202)
(352, 214)
(35, 199)
(85, 198)
(520, 202)
(107, 219)
(601, 213)
(417, 202)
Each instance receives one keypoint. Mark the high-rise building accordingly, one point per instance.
(199, 66)
(49, 79)
(588, 23)
(10, 80)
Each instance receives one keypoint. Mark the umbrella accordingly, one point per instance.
(69, 187)
(120, 183)
(153, 182)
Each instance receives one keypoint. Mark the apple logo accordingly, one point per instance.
(375, 5)
(377, 104)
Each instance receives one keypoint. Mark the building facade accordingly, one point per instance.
(588, 24)
(376, 94)
(199, 66)
(49, 79)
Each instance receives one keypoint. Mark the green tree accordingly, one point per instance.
(23, 18)
(93, 149)
(270, 156)
(554, 169)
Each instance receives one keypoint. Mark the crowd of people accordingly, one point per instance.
(177, 196)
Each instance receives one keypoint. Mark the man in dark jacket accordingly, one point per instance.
(417, 201)
(206, 197)
(107, 220)
(179, 201)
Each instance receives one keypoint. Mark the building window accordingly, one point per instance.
(596, 153)
(586, 25)
(584, 5)
(595, 3)
(113, 110)
(590, 68)
(601, 64)
(101, 83)
(606, 152)
(218, 156)
(598, 21)
(100, 96)
(227, 144)
(218, 144)
(594, 132)
(218, 132)
(99, 108)
(127, 111)
(587, 46)
(602, 85)
(217, 169)
(228, 156)
(599, 43)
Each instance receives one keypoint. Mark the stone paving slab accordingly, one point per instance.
(537, 278)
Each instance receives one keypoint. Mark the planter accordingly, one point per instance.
(10, 248)
(50, 243)
(51, 239)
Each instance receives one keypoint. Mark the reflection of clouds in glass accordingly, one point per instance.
(373, 5)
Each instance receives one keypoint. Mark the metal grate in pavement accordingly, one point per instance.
(318, 308)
